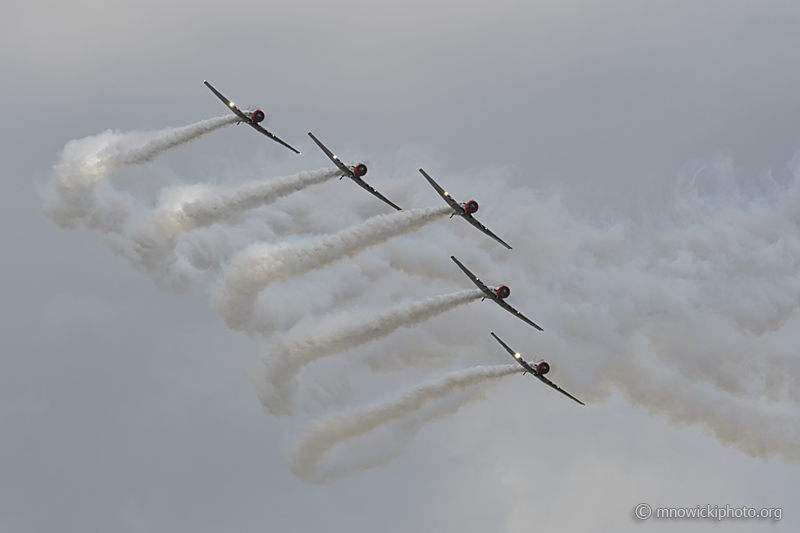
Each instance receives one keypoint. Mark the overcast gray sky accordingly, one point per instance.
(640, 157)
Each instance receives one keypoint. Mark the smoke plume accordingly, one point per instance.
(337, 335)
(261, 264)
(183, 209)
(688, 307)
(326, 434)
(70, 197)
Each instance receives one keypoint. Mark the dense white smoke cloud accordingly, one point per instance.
(78, 193)
(183, 209)
(751, 425)
(148, 235)
(689, 307)
(261, 264)
(337, 335)
(71, 195)
(708, 288)
(691, 311)
(339, 428)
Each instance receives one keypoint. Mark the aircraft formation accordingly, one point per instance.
(465, 210)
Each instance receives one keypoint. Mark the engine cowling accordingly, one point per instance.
(257, 115)
(503, 292)
(360, 170)
(471, 207)
(543, 368)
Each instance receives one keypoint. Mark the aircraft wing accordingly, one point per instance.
(556, 387)
(271, 136)
(473, 277)
(447, 198)
(371, 189)
(484, 229)
(504, 345)
(346, 171)
(228, 103)
(515, 355)
(513, 311)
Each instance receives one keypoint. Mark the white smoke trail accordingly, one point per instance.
(70, 196)
(261, 264)
(220, 205)
(337, 335)
(182, 209)
(326, 434)
(163, 141)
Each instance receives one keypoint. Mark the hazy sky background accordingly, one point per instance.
(583, 129)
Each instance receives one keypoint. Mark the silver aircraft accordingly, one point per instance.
(497, 294)
(538, 369)
(463, 209)
(249, 117)
(354, 172)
